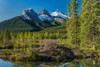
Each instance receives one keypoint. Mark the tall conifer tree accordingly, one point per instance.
(74, 24)
(89, 23)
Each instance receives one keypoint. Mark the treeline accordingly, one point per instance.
(20, 40)
(84, 30)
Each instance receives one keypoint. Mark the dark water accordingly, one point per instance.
(81, 63)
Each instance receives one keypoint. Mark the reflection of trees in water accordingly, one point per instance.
(97, 63)
(48, 64)
(84, 63)
(81, 63)
(20, 64)
(94, 63)
(73, 64)
(78, 63)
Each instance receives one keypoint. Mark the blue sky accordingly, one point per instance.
(12, 8)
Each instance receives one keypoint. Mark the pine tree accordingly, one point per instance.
(21, 40)
(6, 37)
(34, 38)
(29, 40)
(94, 22)
(89, 23)
(69, 9)
(16, 45)
(57, 35)
(25, 41)
(84, 22)
(12, 38)
(46, 35)
(1, 36)
(74, 25)
(68, 20)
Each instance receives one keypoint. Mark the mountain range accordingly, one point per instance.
(44, 15)
(31, 21)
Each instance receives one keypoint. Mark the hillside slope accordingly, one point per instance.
(17, 24)
(61, 28)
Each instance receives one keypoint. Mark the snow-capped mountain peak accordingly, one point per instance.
(29, 11)
(45, 15)
(29, 14)
(44, 12)
(59, 14)
(58, 10)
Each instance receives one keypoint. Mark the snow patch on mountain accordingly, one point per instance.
(45, 17)
(59, 14)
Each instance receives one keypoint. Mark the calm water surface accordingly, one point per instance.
(81, 63)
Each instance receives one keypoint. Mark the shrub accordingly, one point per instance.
(58, 58)
(36, 57)
(62, 53)
(15, 57)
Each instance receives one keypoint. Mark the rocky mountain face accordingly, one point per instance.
(44, 12)
(44, 15)
(29, 14)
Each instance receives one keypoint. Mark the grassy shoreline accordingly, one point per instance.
(10, 54)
